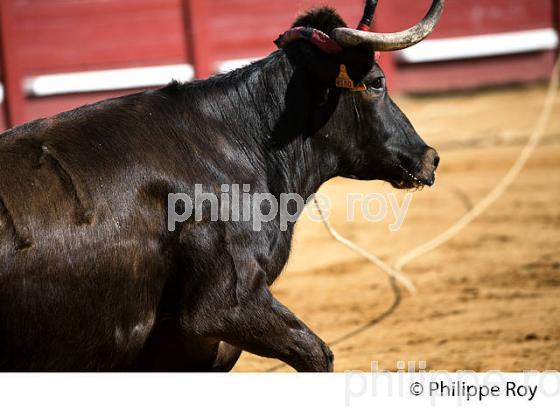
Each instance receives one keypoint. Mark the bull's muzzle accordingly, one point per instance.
(430, 162)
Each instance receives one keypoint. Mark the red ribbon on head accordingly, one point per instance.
(314, 36)
(363, 27)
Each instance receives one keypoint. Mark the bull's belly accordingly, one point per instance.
(69, 311)
(105, 324)
(65, 323)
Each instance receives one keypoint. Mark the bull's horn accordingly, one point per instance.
(347, 37)
(367, 18)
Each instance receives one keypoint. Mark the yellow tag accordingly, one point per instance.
(344, 81)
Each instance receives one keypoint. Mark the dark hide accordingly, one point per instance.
(90, 276)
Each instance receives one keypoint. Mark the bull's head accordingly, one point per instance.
(371, 136)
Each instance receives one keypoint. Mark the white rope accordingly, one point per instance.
(395, 272)
(504, 184)
(399, 277)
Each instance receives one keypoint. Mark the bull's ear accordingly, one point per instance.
(320, 66)
(325, 67)
(358, 63)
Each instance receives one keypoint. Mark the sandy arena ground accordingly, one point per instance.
(488, 299)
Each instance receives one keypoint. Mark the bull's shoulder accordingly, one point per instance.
(97, 166)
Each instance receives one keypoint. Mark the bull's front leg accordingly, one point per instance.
(263, 326)
(233, 303)
(226, 357)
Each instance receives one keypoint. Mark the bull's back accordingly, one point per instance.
(82, 265)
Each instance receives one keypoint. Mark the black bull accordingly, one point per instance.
(90, 276)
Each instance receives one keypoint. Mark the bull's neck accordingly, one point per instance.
(265, 107)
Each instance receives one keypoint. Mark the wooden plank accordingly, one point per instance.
(3, 124)
(198, 36)
(70, 35)
(11, 66)
(468, 17)
(456, 75)
(556, 5)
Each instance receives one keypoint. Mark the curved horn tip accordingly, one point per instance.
(392, 41)
(369, 12)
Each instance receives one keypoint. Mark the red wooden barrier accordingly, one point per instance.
(40, 37)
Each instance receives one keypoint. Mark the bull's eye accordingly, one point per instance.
(378, 84)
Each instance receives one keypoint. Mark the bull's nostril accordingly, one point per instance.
(436, 161)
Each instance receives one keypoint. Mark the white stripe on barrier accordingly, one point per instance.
(105, 80)
(427, 51)
(457, 48)
(486, 45)
(230, 65)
